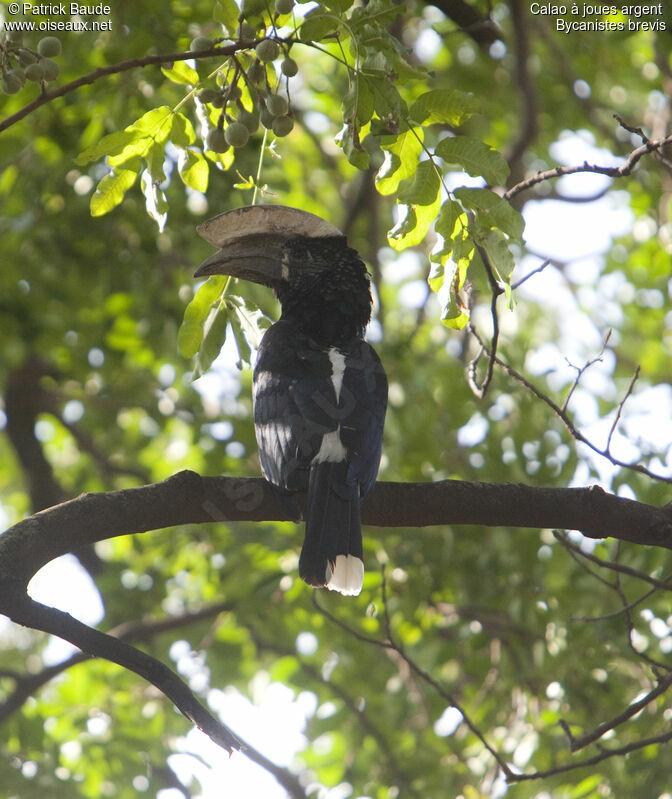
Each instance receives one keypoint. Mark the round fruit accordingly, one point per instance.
(250, 120)
(282, 126)
(208, 95)
(35, 72)
(233, 92)
(237, 134)
(201, 43)
(49, 47)
(17, 73)
(284, 6)
(246, 31)
(216, 141)
(11, 82)
(266, 118)
(26, 57)
(256, 73)
(289, 67)
(277, 105)
(267, 50)
(50, 68)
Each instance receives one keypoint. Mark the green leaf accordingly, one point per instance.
(135, 140)
(182, 134)
(155, 160)
(402, 153)
(349, 141)
(445, 106)
(214, 335)
(111, 189)
(455, 314)
(421, 188)
(387, 101)
(492, 211)
(190, 334)
(475, 157)
(156, 123)
(413, 229)
(226, 12)
(496, 246)
(182, 73)
(317, 25)
(111, 144)
(195, 171)
(446, 224)
(358, 101)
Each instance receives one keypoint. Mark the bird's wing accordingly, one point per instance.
(293, 405)
(363, 401)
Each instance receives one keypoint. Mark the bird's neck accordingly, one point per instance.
(332, 305)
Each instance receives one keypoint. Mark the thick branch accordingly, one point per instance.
(187, 498)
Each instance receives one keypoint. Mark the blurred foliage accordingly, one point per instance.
(517, 629)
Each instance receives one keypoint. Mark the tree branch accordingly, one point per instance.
(113, 69)
(649, 146)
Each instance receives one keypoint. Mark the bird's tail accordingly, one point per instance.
(332, 549)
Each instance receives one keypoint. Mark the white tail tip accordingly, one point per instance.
(347, 575)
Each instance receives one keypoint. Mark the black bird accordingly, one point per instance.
(319, 389)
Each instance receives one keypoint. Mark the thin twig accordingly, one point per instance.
(580, 370)
(612, 171)
(524, 279)
(565, 419)
(619, 410)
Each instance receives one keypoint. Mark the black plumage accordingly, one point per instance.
(320, 391)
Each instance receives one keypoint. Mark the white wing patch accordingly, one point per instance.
(331, 448)
(347, 576)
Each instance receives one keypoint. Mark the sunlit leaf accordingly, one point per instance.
(181, 72)
(112, 188)
(446, 106)
(475, 157)
(493, 211)
(195, 171)
(401, 159)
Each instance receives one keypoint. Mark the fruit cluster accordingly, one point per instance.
(19, 63)
(265, 105)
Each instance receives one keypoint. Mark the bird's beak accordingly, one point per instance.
(257, 258)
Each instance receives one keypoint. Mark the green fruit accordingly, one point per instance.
(232, 93)
(201, 43)
(35, 72)
(282, 126)
(49, 47)
(219, 101)
(289, 67)
(277, 105)
(216, 141)
(256, 73)
(208, 95)
(26, 57)
(284, 6)
(266, 118)
(250, 120)
(246, 31)
(18, 74)
(50, 68)
(267, 50)
(11, 82)
(237, 134)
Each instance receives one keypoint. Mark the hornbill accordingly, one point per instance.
(319, 389)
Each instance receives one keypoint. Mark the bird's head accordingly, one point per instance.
(257, 243)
